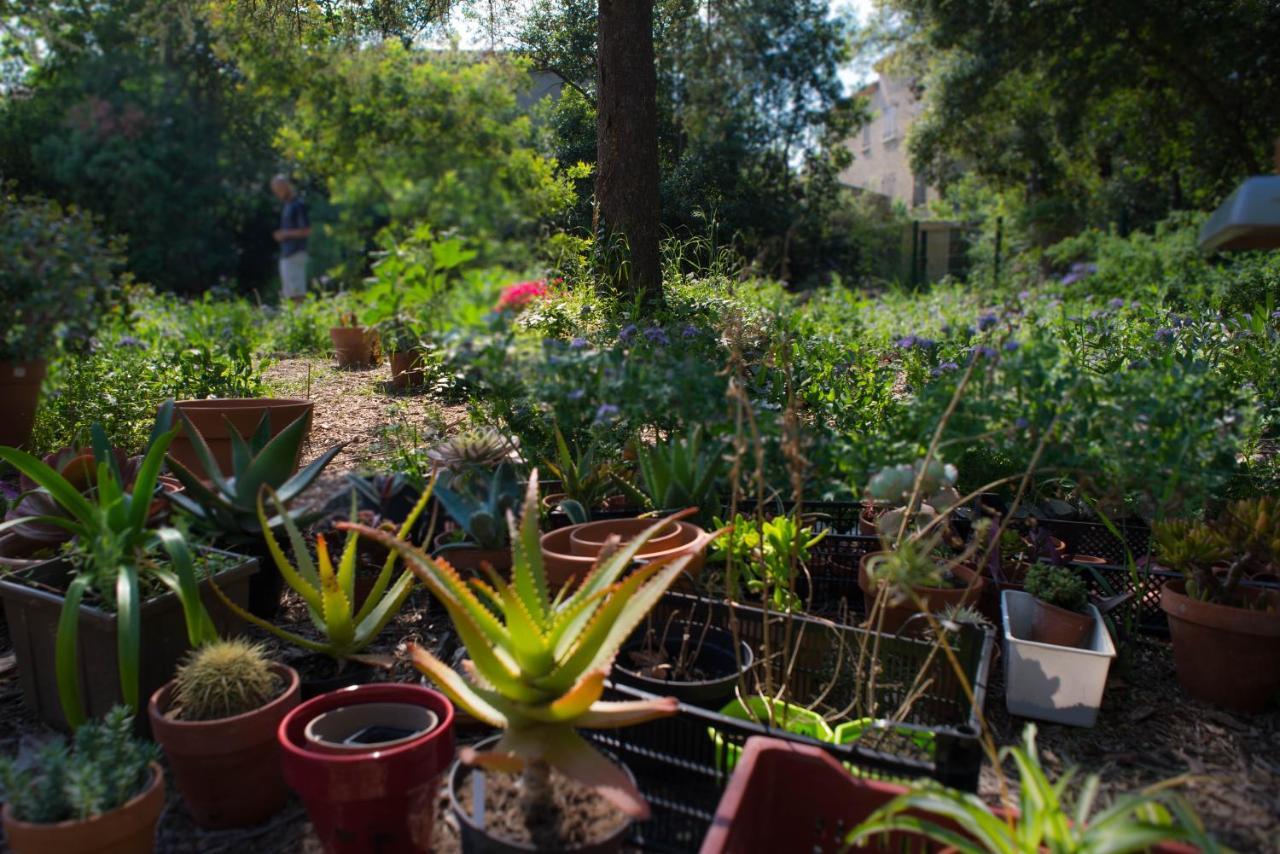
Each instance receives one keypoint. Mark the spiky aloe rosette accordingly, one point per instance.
(538, 659)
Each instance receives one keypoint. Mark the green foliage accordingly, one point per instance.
(1245, 536)
(911, 564)
(683, 472)
(585, 481)
(1057, 585)
(103, 768)
(1047, 817)
(224, 679)
(481, 518)
(764, 557)
(58, 277)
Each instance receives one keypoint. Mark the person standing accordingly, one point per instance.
(295, 228)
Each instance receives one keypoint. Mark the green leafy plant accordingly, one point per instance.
(482, 519)
(1057, 585)
(1246, 536)
(227, 507)
(761, 556)
(539, 658)
(1131, 823)
(585, 482)
(329, 591)
(113, 550)
(681, 473)
(223, 679)
(103, 768)
(912, 564)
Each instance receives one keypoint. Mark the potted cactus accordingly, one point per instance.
(217, 721)
(1061, 613)
(538, 674)
(102, 794)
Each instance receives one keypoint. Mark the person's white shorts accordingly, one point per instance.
(293, 275)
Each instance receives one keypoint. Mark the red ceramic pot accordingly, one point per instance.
(379, 801)
(406, 370)
(354, 346)
(936, 599)
(588, 539)
(561, 564)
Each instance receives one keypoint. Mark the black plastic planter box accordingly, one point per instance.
(682, 773)
(33, 614)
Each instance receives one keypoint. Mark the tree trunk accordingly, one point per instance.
(627, 147)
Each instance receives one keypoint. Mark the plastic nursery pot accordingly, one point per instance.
(1059, 626)
(129, 829)
(561, 563)
(351, 673)
(210, 419)
(588, 539)
(20, 390)
(406, 370)
(849, 732)
(711, 653)
(478, 839)
(936, 599)
(469, 556)
(371, 800)
(212, 760)
(792, 719)
(353, 346)
(1224, 655)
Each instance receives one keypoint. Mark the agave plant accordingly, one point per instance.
(585, 483)
(481, 448)
(329, 591)
(227, 506)
(483, 520)
(679, 474)
(538, 663)
(1131, 823)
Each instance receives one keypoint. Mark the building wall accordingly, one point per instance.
(881, 163)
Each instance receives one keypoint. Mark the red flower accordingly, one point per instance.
(517, 296)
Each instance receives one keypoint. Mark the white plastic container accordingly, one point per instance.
(1048, 682)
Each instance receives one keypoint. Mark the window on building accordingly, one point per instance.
(866, 138)
(890, 120)
(919, 192)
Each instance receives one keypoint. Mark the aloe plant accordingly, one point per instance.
(538, 659)
(110, 530)
(1131, 823)
(682, 473)
(585, 483)
(328, 591)
(227, 506)
(483, 520)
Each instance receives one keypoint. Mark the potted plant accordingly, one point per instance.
(57, 279)
(682, 473)
(355, 346)
(215, 420)
(347, 624)
(908, 498)
(1061, 613)
(538, 674)
(472, 451)
(113, 587)
(912, 579)
(481, 521)
(694, 662)
(563, 563)
(385, 501)
(225, 508)
(404, 346)
(766, 559)
(217, 721)
(585, 484)
(1226, 637)
(102, 794)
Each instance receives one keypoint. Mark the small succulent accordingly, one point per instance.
(586, 482)
(933, 485)
(1252, 526)
(911, 564)
(1057, 585)
(224, 679)
(483, 519)
(481, 448)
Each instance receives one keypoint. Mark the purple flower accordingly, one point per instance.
(986, 321)
(1024, 295)
(1021, 423)
(130, 341)
(983, 351)
(1116, 303)
(944, 368)
(577, 394)
(578, 343)
(1010, 346)
(606, 412)
(1165, 335)
(657, 336)
(1275, 315)
(1078, 272)
(689, 331)
(907, 343)
(628, 332)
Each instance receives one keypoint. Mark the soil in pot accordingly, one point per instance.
(1060, 627)
(580, 819)
(702, 671)
(320, 674)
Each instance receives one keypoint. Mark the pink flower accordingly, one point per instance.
(516, 297)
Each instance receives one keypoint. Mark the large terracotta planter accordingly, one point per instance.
(354, 346)
(934, 598)
(406, 370)
(212, 760)
(588, 539)
(376, 800)
(130, 829)
(210, 418)
(561, 564)
(470, 556)
(20, 390)
(1226, 656)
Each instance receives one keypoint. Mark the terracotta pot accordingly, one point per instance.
(212, 760)
(588, 539)
(354, 346)
(1060, 627)
(406, 370)
(934, 598)
(373, 800)
(130, 829)
(470, 557)
(561, 564)
(1226, 656)
(1088, 560)
(867, 522)
(210, 419)
(20, 390)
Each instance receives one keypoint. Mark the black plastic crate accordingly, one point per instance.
(683, 772)
(1096, 540)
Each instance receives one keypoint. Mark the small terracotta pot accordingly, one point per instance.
(1226, 656)
(1060, 627)
(210, 418)
(1088, 560)
(131, 829)
(20, 390)
(588, 539)
(354, 346)
(561, 564)
(934, 598)
(406, 370)
(472, 556)
(212, 760)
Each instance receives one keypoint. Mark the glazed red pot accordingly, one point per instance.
(20, 390)
(210, 418)
(354, 346)
(1226, 656)
(406, 370)
(379, 801)
(936, 599)
(130, 829)
(211, 760)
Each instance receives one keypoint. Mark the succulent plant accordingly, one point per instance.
(227, 506)
(1246, 537)
(1057, 585)
(538, 660)
(483, 520)
(223, 679)
(585, 482)
(483, 448)
(911, 564)
(894, 487)
(681, 473)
